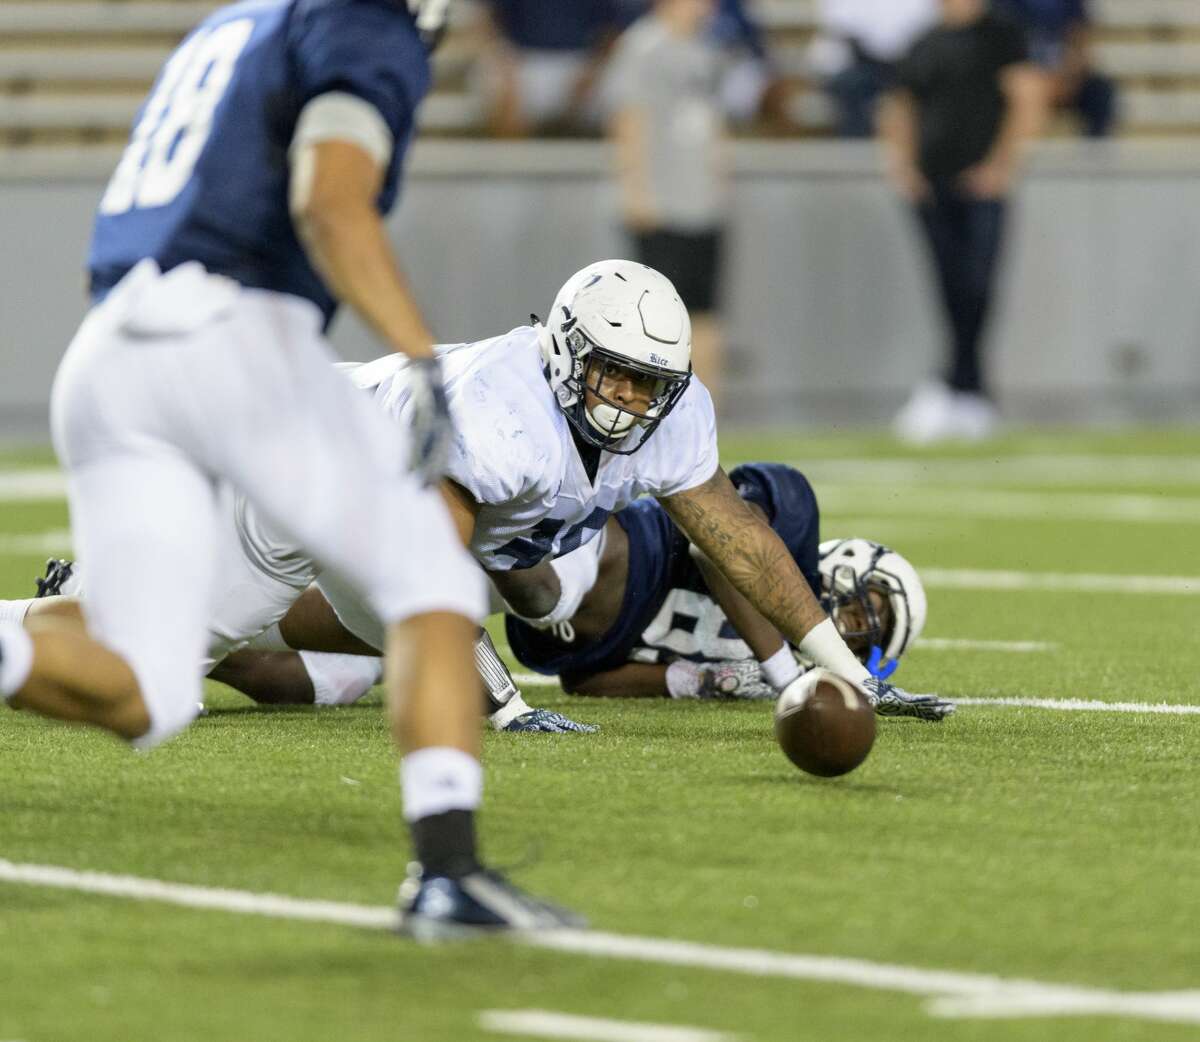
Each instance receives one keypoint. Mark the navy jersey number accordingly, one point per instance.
(177, 119)
(539, 544)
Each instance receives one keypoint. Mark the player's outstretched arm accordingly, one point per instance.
(748, 553)
(756, 562)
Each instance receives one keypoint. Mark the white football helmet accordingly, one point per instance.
(851, 569)
(616, 313)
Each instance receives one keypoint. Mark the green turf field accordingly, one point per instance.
(1053, 845)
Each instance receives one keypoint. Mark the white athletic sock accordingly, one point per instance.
(341, 680)
(439, 779)
(780, 669)
(16, 658)
(683, 679)
(507, 713)
(15, 611)
(824, 645)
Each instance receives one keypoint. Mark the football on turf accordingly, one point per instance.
(824, 724)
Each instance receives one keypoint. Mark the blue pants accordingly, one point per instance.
(964, 236)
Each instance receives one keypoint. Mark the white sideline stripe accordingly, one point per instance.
(993, 996)
(982, 579)
(1083, 705)
(19, 486)
(53, 541)
(541, 1023)
(942, 503)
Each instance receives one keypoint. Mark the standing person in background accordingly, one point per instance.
(1059, 34)
(672, 167)
(751, 84)
(967, 102)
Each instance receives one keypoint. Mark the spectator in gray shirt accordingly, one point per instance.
(669, 132)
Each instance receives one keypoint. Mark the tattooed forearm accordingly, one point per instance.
(748, 552)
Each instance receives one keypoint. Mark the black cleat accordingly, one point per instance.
(435, 908)
(58, 574)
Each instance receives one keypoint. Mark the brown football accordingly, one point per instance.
(824, 724)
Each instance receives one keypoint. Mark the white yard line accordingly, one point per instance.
(21, 544)
(1055, 582)
(977, 994)
(940, 504)
(1083, 705)
(1076, 705)
(541, 1023)
(20, 486)
(1028, 470)
(1016, 647)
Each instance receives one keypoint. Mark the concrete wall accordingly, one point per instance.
(828, 301)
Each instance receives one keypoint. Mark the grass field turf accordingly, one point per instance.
(1058, 846)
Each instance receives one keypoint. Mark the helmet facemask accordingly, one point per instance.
(863, 620)
(609, 424)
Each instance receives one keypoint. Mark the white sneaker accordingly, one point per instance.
(927, 416)
(974, 417)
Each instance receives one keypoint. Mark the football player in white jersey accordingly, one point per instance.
(558, 426)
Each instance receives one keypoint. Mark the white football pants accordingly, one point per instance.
(177, 381)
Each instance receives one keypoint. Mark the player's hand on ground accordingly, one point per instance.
(431, 428)
(889, 700)
(546, 721)
(740, 679)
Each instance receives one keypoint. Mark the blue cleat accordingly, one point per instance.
(437, 908)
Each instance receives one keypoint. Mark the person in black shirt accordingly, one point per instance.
(966, 102)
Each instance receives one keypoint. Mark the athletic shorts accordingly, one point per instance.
(691, 260)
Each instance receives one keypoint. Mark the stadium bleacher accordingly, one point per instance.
(74, 71)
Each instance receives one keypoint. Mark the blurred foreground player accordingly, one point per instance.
(247, 204)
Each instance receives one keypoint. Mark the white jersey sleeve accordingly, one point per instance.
(684, 447)
(506, 448)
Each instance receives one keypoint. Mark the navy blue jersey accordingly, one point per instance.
(667, 606)
(205, 176)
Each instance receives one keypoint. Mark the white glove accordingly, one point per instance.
(432, 431)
